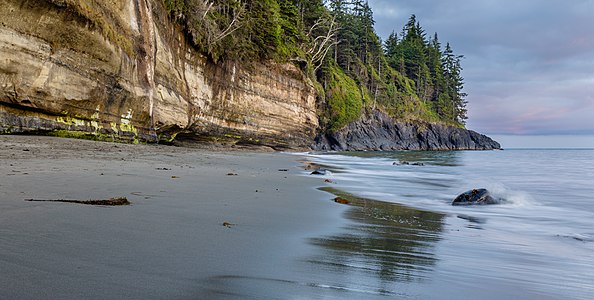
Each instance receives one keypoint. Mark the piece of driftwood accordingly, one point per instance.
(108, 202)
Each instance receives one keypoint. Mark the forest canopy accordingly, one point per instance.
(409, 76)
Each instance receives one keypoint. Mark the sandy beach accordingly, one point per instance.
(201, 225)
(243, 225)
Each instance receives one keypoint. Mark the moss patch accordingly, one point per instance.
(344, 98)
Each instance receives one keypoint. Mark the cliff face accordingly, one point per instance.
(377, 131)
(122, 70)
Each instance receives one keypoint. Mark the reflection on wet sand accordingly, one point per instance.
(385, 241)
(383, 249)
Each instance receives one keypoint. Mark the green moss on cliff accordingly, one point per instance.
(344, 98)
(82, 135)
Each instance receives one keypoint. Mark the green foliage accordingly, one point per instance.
(264, 29)
(240, 30)
(435, 73)
(344, 98)
(291, 28)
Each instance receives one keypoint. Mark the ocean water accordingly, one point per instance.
(415, 245)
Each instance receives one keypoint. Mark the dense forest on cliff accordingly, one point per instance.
(409, 76)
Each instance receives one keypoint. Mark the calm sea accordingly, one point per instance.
(538, 245)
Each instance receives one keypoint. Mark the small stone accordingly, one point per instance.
(341, 200)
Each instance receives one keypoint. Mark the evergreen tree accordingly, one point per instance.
(290, 22)
(454, 83)
(391, 45)
(435, 69)
(413, 55)
(309, 11)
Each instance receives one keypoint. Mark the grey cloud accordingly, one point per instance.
(529, 65)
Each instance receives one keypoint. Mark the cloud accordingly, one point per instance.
(529, 66)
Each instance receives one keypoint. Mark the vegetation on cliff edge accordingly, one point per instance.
(409, 76)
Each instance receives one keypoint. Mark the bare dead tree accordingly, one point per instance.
(208, 7)
(221, 31)
(318, 47)
(209, 30)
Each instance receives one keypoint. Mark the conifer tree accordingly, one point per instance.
(435, 69)
(391, 44)
(454, 83)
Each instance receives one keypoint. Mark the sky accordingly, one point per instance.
(528, 66)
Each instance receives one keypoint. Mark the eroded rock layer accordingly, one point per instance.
(122, 70)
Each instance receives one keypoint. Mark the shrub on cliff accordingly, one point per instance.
(344, 98)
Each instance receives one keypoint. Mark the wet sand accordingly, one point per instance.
(201, 225)
(204, 225)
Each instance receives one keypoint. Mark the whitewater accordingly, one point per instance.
(539, 244)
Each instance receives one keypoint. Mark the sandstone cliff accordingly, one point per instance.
(377, 131)
(122, 70)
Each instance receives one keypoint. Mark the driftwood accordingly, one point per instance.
(109, 202)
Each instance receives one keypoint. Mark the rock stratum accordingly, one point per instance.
(377, 131)
(122, 70)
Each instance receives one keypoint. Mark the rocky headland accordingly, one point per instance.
(377, 131)
(123, 71)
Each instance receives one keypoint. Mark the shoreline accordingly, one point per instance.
(193, 229)
(244, 225)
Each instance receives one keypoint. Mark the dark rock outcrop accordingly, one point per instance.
(377, 131)
(476, 197)
(319, 172)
